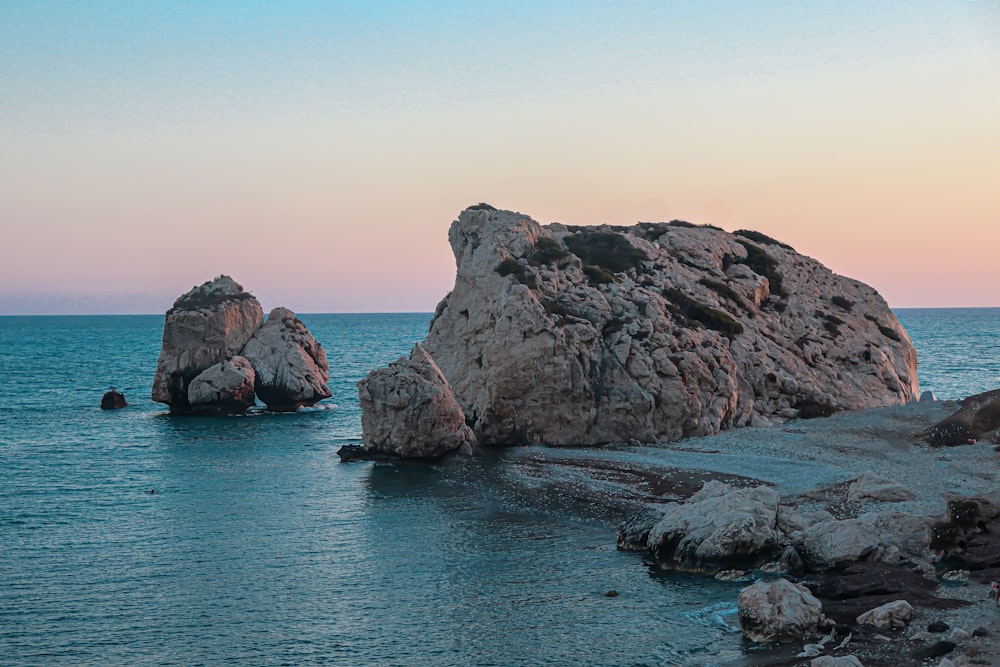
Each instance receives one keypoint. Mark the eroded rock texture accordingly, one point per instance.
(290, 366)
(589, 335)
(409, 411)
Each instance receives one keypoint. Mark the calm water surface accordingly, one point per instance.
(258, 547)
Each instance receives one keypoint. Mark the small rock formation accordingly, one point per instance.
(977, 418)
(779, 611)
(889, 616)
(869, 486)
(409, 411)
(223, 387)
(112, 400)
(570, 335)
(717, 528)
(214, 334)
(209, 324)
(290, 366)
(928, 395)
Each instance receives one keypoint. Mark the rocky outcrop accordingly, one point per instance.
(779, 611)
(977, 418)
(224, 387)
(290, 366)
(409, 411)
(717, 528)
(588, 335)
(209, 324)
(112, 400)
(217, 354)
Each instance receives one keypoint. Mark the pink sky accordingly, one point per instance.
(326, 180)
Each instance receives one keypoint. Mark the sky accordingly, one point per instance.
(318, 151)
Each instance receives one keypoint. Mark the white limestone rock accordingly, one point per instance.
(826, 544)
(718, 528)
(224, 387)
(779, 611)
(889, 616)
(409, 411)
(209, 324)
(654, 332)
(290, 365)
(869, 486)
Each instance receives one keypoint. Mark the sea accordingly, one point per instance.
(132, 537)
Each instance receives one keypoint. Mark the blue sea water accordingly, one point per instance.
(259, 548)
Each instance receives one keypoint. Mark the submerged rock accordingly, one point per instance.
(409, 411)
(209, 324)
(779, 611)
(290, 366)
(589, 335)
(224, 387)
(112, 400)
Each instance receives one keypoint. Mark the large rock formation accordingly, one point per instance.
(588, 335)
(216, 353)
(209, 324)
(290, 366)
(408, 410)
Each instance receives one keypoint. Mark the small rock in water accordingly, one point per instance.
(937, 626)
(611, 594)
(112, 400)
(928, 396)
(732, 575)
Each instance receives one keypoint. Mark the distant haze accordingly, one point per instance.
(317, 152)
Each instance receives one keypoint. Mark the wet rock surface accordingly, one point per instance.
(113, 400)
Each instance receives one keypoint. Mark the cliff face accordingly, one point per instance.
(588, 335)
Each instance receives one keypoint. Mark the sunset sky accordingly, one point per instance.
(317, 152)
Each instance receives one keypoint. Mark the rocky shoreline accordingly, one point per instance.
(822, 458)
